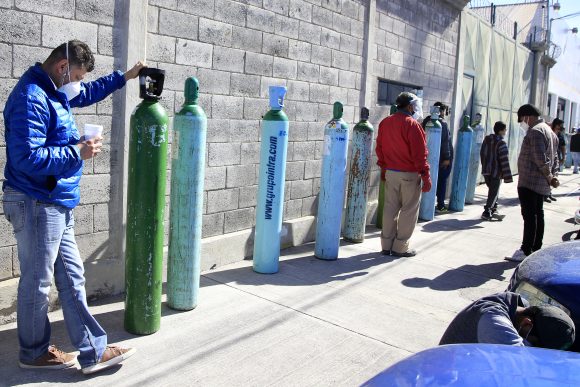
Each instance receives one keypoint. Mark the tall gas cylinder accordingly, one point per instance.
(381, 201)
(433, 132)
(568, 160)
(187, 179)
(269, 209)
(331, 198)
(461, 166)
(145, 207)
(474, 161)
(358, 181)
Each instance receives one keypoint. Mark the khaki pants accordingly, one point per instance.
(402, 195)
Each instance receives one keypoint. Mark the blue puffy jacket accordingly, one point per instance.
(43, 160)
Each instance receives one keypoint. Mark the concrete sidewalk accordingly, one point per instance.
(317, 323)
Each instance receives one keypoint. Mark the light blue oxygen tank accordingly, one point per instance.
(187, 180)
(461, 166)
(270, 200)
(433, 131)
(474, 162)
(358, 180)
(568, 160)
(331, 198)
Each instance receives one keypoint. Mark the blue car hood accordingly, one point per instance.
(486, 365)
(556, 271)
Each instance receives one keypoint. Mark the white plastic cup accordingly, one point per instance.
(92, 131)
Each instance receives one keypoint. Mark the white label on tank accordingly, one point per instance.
(326, 145)
(480, 135)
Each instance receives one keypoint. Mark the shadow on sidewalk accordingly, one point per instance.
(466, 276)
(451, 225)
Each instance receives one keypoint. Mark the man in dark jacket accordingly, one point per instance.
(402, 153)
(495, 166)
(575, 150)
(44, 166)
(506, 318)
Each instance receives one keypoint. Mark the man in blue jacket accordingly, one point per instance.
(44, 165)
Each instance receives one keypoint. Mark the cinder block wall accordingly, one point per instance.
(317, 48)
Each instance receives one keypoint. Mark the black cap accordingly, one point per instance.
(528, 110)
(553, 327)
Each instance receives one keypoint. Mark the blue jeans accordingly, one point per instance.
(442, 184)
(46, 249)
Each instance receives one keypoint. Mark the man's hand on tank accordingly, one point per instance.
(134, 72)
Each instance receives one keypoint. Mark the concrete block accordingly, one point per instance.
(339, 94)
(315, 186)
(101, 217)
(308, 72)
(240, 175)
(259, 64)
(239, 220)
(298, 91)
(285, 68)
(161, 48)
(244, 130)
(301, 189)
(152, 19)
(194, 54)
(279, 6)
(178, 24)
(5, 88)
(225, 249)
(306, 111)
(227, 107)
(221, 154)
(222, 200)
(250, 153)
(325, 111)
(319, 93)
(348, 44)
(5, 59)
(299, 132)
(61, 8)
(292, 209)
(347, 79)
(212, 224)
(231, 12)
(94, 247)
(214, 81)
(304, 151)
(5, 263)
(321, 16)
(340, 60)
(248, 196)
(106, 42)
(299, 50)
(275, 45)
(333, 5)
(341, 23)
(218, 130)
(329, 38)
(83, 219)
(171, 4)
(215, 178)
(286, 26)
(294, 170)
(247, 39)
(355, 63)
(245, 85)
(301, 10)
(228, 59)
(96, 11)
(316, 131)
(56, 31)
(319, 146)
(357, 29)
(215, 32)
(309, 33)
(255, 108)
(351, 9)
(321, 55)
(312, 169)
(203, 8)
(95, 189)
(310, 206)
(261, 19)
(329, 76)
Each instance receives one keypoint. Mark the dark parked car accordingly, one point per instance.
(489, 365)
(552, 275)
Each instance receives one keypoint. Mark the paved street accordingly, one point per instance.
(317, 323)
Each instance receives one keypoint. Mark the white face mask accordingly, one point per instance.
(524, 125)
(71, 89)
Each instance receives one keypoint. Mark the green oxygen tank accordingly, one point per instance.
(145, 207)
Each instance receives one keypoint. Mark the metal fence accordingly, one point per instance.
(488, 11)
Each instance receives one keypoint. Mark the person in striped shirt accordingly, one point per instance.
(495, 166)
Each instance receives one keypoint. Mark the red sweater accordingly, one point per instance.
(401, 144)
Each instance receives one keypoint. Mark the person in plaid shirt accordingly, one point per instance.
(536, 167)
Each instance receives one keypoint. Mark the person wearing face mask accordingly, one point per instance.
(507, 318)
(402, 155)
(536, 176)
(44, 165)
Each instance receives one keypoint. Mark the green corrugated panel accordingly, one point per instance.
(481, 81)
(470, 47)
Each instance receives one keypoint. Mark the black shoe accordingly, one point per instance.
(486, 215)
(386, 252)
(547, 199)
(552, 198)
(408, 253)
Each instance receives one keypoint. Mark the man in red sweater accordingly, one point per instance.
(402, 153)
